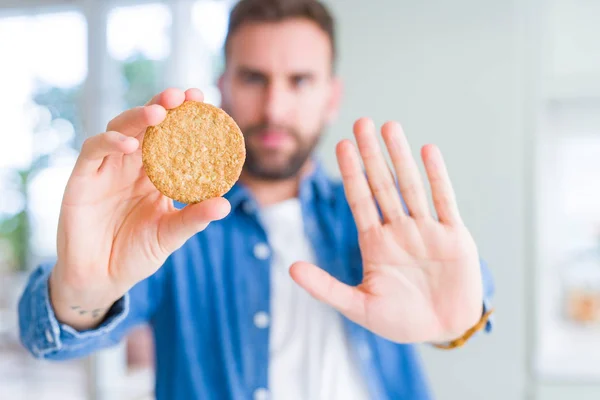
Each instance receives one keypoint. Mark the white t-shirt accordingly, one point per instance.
(309, 356)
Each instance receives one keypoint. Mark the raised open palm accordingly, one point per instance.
(422, 277)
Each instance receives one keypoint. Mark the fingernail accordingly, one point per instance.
(123, 138)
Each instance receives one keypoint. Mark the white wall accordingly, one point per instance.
(574, 35)
(454, 73)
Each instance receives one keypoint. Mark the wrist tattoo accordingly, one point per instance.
(95, 313)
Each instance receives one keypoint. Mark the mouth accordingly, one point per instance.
(273, 139)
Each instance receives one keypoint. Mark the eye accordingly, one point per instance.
(254, 78)
(298, 81)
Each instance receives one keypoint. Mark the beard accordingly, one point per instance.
(271, 165)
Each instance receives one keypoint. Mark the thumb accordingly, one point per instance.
(176, 227)
(347, 299)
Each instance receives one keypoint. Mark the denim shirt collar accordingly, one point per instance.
(316, 184)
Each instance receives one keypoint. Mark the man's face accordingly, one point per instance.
(279, 88)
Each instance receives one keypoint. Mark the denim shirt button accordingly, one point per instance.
(261, 251)
(261, 394)
(261, 319)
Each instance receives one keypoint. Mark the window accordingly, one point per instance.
(75, 66)
(41, 78)
(138, 40)
(43, 71)
(210, 19)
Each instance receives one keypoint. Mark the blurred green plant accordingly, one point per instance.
(142, 79)
(15, 229)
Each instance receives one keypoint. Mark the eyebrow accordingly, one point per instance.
(246, 70)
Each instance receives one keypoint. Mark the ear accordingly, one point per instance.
(222, 85)
(335, 99)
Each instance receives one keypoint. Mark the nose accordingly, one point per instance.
(279, 103)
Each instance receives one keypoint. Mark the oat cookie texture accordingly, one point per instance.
(195, 154)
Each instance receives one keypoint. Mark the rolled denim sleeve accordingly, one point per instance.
(45, 337)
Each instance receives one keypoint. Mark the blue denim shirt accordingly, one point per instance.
(202, 303)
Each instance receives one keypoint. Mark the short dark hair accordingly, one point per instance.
(246, 11)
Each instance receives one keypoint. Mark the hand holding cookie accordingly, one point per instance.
(116, 228)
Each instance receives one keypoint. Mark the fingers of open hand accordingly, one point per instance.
(444, 199)
(379, 184)
(356, 187)
(409, 178)
(380, 178)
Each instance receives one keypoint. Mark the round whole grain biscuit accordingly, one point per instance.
(195, 154)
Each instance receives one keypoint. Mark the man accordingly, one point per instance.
(231, 318)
